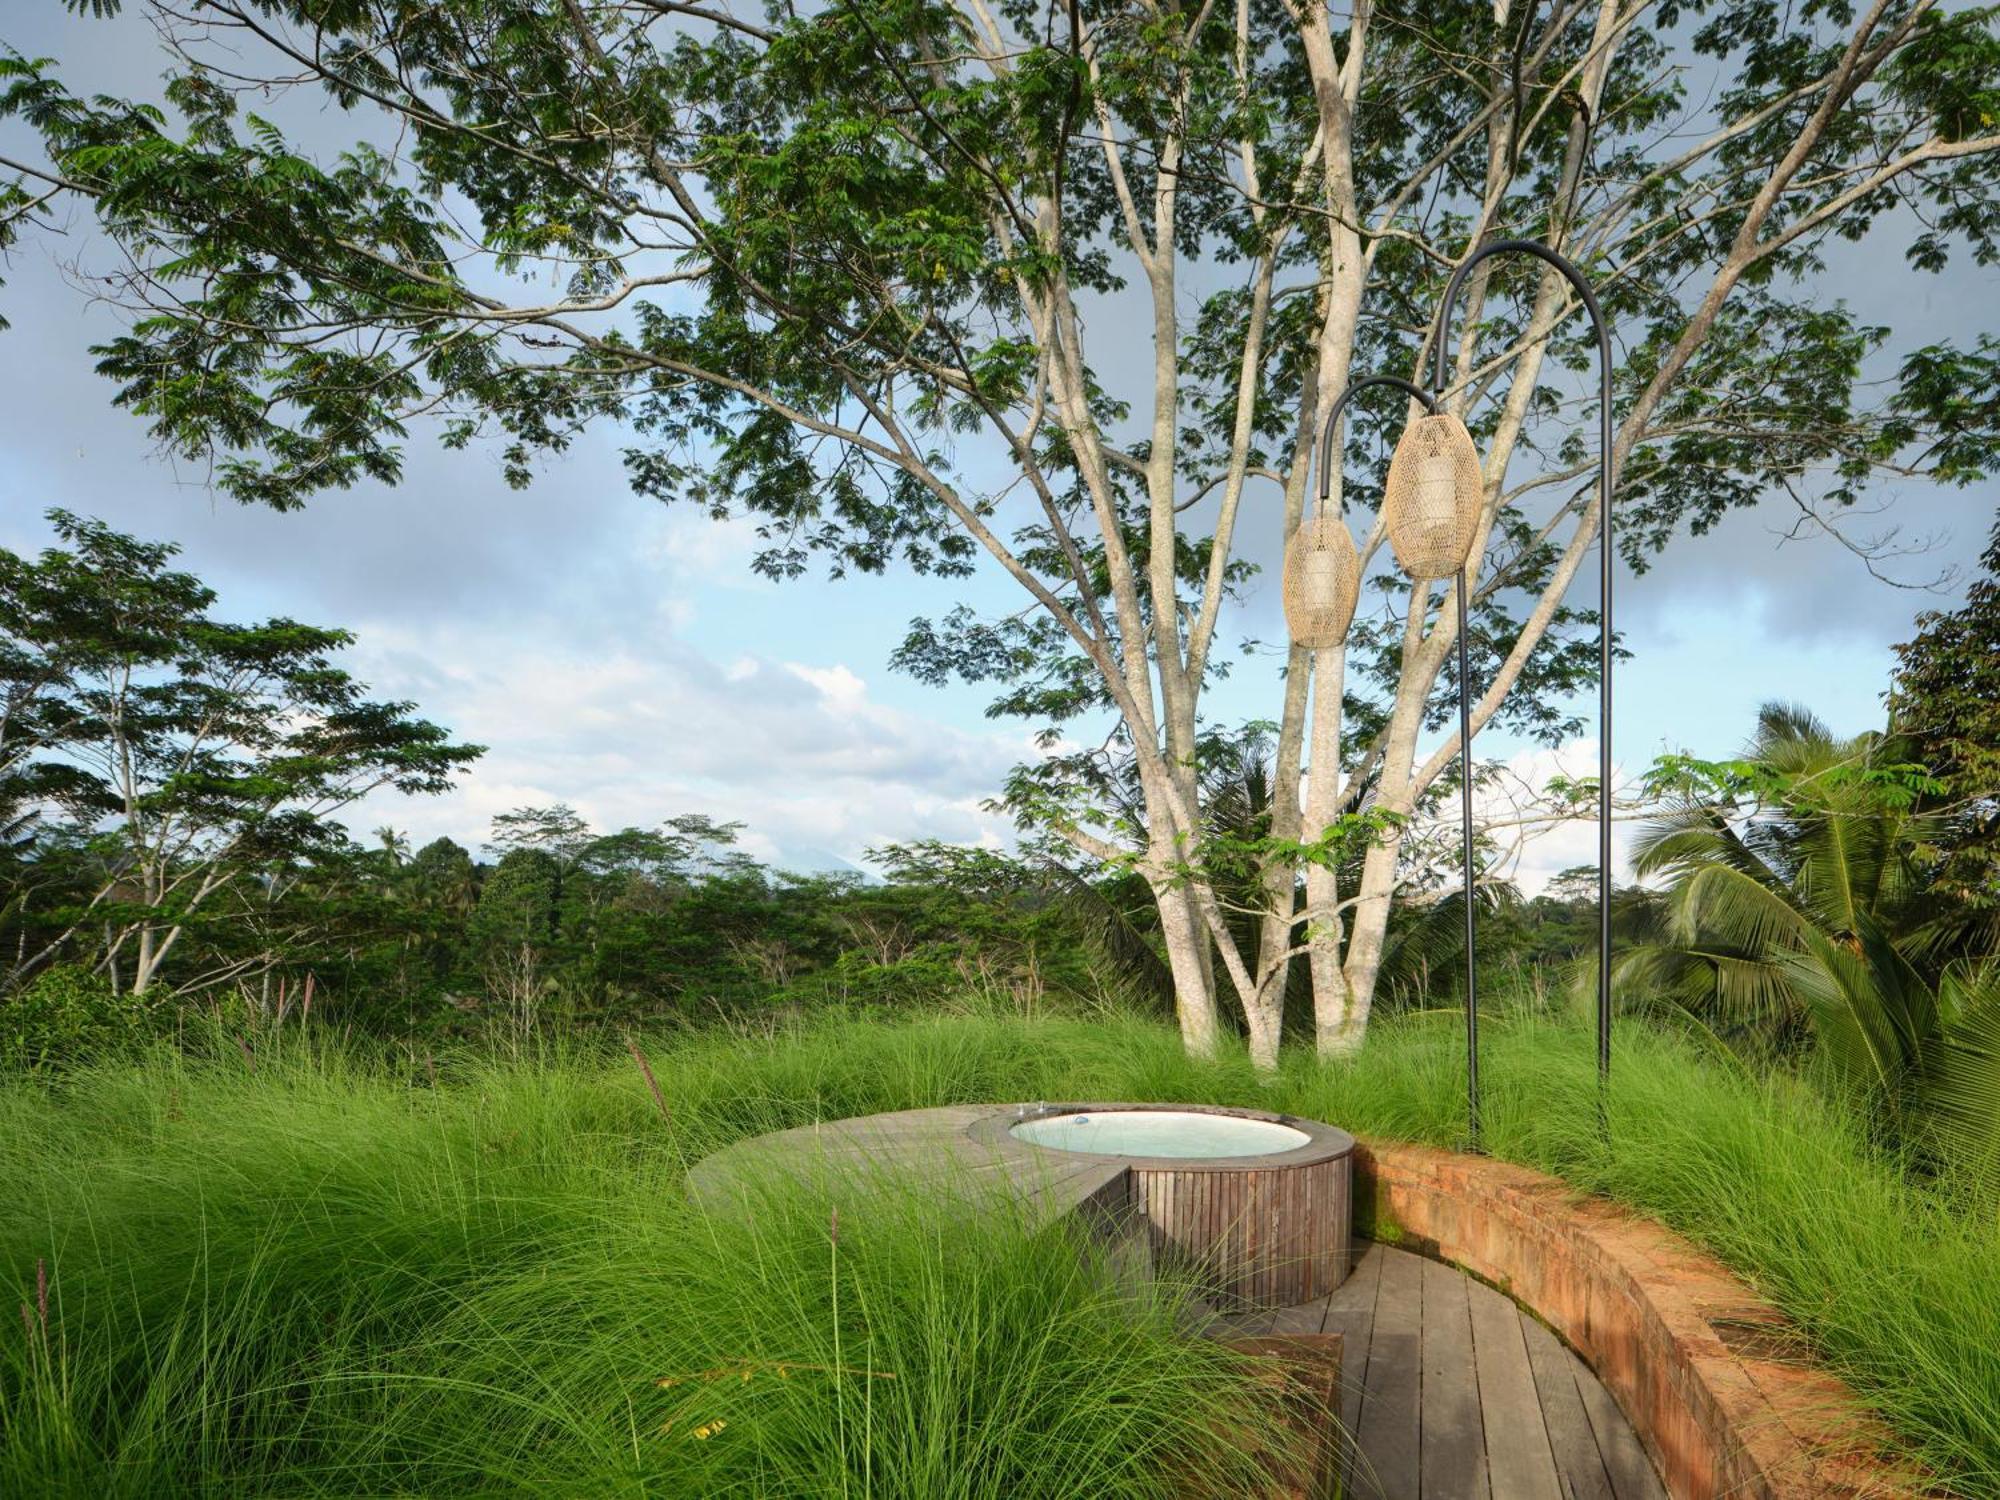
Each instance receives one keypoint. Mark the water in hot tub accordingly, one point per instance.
(1160, 1132)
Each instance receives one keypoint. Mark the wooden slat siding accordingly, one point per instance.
(1299, 1235)
(1259, 1233)
(1215, 1232)
(1279, 1206)
(1390, 1431)
(1454, 1438)
(1192, 1229)
(1632, 1475)
(1303, 1212)
(1518, 1459)
(1324, 1247)
(1257, 1248)
(1151, 1198)
(1572, 1442)
(1232, 1229)
(1238, 1259)
(1284, 1230)
(1279, 1229)
(1288, 1234)
(1293, 1231)
(1207, 1233)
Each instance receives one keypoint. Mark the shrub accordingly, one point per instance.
(69, 1015)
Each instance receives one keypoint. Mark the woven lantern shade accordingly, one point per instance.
(1322, 581)
(1430, 506)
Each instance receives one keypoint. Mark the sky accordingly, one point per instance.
(622, 657)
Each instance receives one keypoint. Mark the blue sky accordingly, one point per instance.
(622, 657)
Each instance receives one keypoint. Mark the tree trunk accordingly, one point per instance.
(1194, 994)
(1370, 923)
(1329, 985)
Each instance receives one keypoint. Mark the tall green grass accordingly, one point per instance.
(323, 1278)
(340, 1275)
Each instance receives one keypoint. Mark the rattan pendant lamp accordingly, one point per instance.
(1431, 503)
(1322, 581)
(1430, 508)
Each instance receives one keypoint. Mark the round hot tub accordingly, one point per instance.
(1257, 1206)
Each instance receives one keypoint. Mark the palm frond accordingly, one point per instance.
(1719, 904)
(1962, 1078)
(1873, 1012)
(1107, 924)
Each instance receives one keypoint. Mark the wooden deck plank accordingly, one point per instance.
(1350, 1312)
(1448, 1391)
(1453, 1466)
(1572, 1440)
(1303, 1317)
(1389, 1434)
(1519, 1462)
(1253, 1322)
(1632, 1474)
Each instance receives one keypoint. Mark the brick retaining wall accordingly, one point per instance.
(1713, 1378)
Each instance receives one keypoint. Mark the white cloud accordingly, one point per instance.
(817, 769)
(718, 552)
(1546, 851)
(839, 686)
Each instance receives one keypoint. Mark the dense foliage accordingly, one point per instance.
(170, 792)
(1804, 917)
(164, 774)
(170, 785)
(1946, 706)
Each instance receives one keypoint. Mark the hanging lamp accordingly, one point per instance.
(1322, 582)
(1431, 503)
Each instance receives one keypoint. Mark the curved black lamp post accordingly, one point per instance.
(1418, 393)
(1574, 276)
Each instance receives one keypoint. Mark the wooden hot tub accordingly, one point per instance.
(1258, 1206)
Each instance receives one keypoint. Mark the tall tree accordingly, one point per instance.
(1802, 905)
(196, 754)
(824, 267)
(1807, 839)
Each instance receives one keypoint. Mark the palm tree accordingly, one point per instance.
(1799, 912)
(1760, 853)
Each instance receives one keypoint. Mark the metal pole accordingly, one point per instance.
(1465, 833)
(1575, 278)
